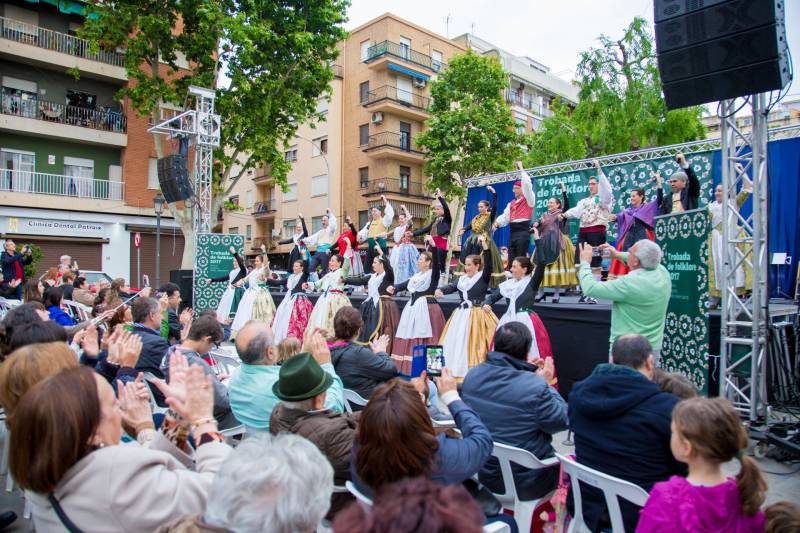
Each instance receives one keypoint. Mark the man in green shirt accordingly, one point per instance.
(639, 299)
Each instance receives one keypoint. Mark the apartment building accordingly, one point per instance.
(532, 87)
(785, 113)
(77, 167)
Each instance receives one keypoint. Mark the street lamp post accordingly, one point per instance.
(158, 206)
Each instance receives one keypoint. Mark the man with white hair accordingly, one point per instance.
(323, 239)
(639, 299)
(685, 190)
(270, 484)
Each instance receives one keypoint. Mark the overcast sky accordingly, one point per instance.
(551, 32)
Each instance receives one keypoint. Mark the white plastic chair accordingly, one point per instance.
(443, 424)
(612, 488)
(351, 488)
(157, 409)
(7, 305)
(351, 396)
(523, 509)
(226, 364)
(78, 311)
(235, 431)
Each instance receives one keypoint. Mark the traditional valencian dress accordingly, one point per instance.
(350, 254)
(468, 334)
(229, 303)
(633, 224)
(291, 317)
(521, 298)
(331, 300)
(717, 248)
(379, 312)
(422, 321)
(404, 255)
(555, 249)
(257, 303)
(374, 233)
(439, 229)
(481, 224)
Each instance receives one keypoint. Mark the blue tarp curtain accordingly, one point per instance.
(783, 158)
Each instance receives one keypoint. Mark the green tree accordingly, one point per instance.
(620, 107)
(470, 131)
(269, 62)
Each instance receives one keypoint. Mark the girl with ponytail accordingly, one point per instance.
(707, 432)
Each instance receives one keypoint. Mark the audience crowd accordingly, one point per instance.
(125, 418)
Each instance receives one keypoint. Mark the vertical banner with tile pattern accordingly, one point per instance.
(213, 260)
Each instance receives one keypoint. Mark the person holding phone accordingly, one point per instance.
(468, 334)
(422, 321)
(14, 266)
(229, 303)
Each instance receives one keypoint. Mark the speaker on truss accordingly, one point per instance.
(173, 178)
(710, 50)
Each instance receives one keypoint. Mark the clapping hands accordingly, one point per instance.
(380, 344)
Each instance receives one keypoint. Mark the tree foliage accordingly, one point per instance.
(470, 131)
(620, 108)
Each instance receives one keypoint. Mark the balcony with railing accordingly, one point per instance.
(516, 98)
(387, 49)
(265, 209)
(398, 102)
(47, 41)
(402, 186)
(394, 145)
(28, 182)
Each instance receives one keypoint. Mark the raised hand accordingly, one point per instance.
(657, 178)
(680, 158)
(438, 192)
(446, 382)
(487, 308)
(186, 316)
(563, 187)
(596, 164)
(519, 166)
(197, 403)
(314, 343)
(490, 189)
(438, 293)
(380, 344)
(178, 368)
(390, 289)
(586, 252)
(612, 217)
(134, 407)
(232, 250)
(129, 351)
(89, 342)
(546, 369)
(383, 199)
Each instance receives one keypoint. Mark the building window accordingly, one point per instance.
(363, 177)
(290, 155)
(405, 47)
(16, 170)
(291, 194)
(233, 230)
(522, 122)
(152, 173)
(365, 50)
(79, 174)
(20, 97)
(363, 134)
(405, 178)
(319, 146)
(288, 228)
(248, 232)
(319, 185)
(234, 200)
(316, 224)
(248, 199)
(362, 218)
(437, 60)
(363, 92)
(322, 104)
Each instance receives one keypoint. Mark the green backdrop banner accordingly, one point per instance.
(214, 260)
(683, 239)
(623, 178)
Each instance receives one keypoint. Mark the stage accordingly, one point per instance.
(579, 332)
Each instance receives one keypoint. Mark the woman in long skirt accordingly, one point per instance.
(379, 311)
(333, 297)
(468, 334)
(349, 251)
(716, 245)
(521, 296)
(421, 321)
(291, 316)
(257, 303)
(229, 303)
(634, 223)
(554, 256)
(481, 226)
(404, 254)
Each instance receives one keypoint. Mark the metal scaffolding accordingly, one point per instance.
(744, 321)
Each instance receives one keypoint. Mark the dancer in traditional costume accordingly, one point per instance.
(323, 240)
(421, 321)
(376, 230)
(299, 251)
(716, 244)
(379, 311)
(257, 303)
(350, 254)
(291, 317)
(229, 303)
(554, 256)
(521, 296)
(634, 223)
(594, 213)
(439, 229)
(333, 297)
(468, 334)
(481, 226)
(404, 254)
(685, 190)
(518, 214)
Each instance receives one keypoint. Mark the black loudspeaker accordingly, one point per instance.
(183, 279)
(173, 178)
(711, 50)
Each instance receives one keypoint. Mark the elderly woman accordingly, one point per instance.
(79, 476)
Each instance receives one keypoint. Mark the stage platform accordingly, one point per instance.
(578, 332)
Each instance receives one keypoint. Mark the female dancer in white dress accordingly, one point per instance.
(291, 317)
(229, 302)
(404, 254)
(333, 297)
(257, 303)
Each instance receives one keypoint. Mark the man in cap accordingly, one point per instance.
(518, 215)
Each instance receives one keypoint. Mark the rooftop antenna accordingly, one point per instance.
(472, 28)
(447, 20)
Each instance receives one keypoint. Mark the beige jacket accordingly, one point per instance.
(83, 296)
(131, 488)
